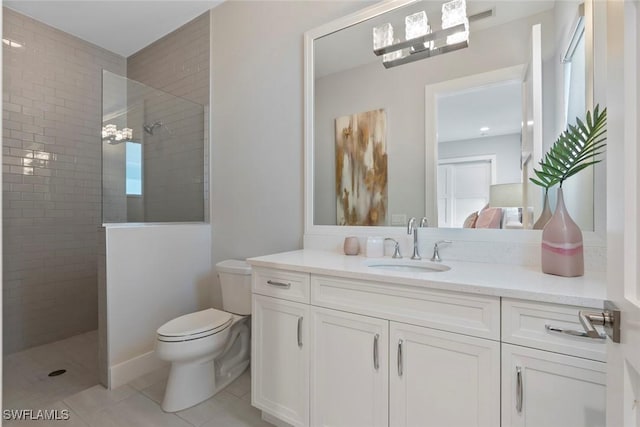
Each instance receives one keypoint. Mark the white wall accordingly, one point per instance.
(154, 273)
(257, 123)
(579, 189)
(505, 147)
(400, 91)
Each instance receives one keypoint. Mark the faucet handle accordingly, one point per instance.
(424, 222)
(436, 247)
(396, 249)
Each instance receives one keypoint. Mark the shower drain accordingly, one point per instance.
(57, 372)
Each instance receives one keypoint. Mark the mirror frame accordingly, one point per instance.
(313, 231)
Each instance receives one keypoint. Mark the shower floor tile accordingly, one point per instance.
(26, 384)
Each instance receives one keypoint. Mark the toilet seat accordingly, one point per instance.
(196, 325)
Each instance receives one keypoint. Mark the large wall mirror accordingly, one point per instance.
(444, 136)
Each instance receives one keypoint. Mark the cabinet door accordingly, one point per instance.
(349, 373)
(544, 389)
(280, 359)
(440, 378)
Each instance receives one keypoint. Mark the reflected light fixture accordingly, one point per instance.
(420, 41)
(112, 135)
(11, 43)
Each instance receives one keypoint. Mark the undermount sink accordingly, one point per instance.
(412, 266)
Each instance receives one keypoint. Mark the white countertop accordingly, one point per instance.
(501, 280)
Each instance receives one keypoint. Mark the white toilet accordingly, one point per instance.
(208, 349)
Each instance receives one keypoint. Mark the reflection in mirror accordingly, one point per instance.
(349, 83)
(479, 152)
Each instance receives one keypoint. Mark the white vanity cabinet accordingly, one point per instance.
(367, 371)
(550, 376)
(349, 373)
(280, 359)
(357, 375)
(545, 389)
(440, 378)
(342, 351)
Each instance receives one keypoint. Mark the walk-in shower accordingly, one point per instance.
(153, 154)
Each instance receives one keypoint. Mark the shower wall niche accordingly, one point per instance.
(153, 154)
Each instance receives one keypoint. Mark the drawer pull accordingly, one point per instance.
(572, 332)
(300, 332)
(279, 284)
(519, 389)
(399, 358)
(376, 361)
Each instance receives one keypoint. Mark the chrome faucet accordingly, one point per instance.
(424, 222)
(411, 227)
(396, 249)
(436, 248)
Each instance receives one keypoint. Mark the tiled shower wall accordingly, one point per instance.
(177, 64)
(51, 143)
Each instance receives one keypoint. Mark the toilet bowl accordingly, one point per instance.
(208, 349)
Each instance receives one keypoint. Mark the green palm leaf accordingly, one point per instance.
(575, 149)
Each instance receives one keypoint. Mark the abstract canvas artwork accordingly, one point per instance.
(361, 168)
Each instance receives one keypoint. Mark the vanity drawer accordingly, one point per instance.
(539, 325)
(468, 314)
(288, 285)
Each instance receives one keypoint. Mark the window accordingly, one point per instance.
(133, 171)
(575, 75)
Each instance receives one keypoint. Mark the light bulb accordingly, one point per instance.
(417, 25)
(382, 36)
(455, 13)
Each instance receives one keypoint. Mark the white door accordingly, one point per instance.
(440, 379)
(532, 136)
(623, 197)
(445, 196)
(545, 389)
(464, 189)
(280, 359)
(349, 376)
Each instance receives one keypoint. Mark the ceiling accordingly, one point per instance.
(122, 27)
(462, 114)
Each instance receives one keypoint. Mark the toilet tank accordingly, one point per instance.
(235, 282)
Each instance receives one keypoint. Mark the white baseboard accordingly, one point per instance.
(273, 420)
(129, 370)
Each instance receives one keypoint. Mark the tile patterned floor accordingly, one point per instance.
(26, 383)
(137, 404)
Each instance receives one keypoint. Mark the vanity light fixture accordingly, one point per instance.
(420, 42)
(112, 135)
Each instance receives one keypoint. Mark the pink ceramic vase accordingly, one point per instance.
(562, 252)
(545, 215)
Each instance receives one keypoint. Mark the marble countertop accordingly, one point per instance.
(500, 280)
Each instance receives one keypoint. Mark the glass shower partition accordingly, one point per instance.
(153, 154)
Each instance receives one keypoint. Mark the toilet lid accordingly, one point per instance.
(205, 322)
